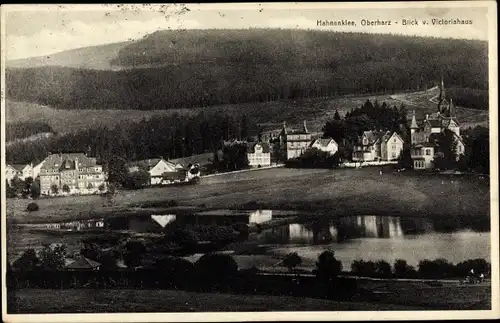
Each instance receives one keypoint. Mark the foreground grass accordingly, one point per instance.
(338, 192)
(392, 296)
(108, 301)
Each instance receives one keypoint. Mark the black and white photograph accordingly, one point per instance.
(249, 161)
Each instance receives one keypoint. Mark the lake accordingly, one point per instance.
(367, 237)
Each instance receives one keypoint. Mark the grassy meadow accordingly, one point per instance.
(396, 296)
(339, 191)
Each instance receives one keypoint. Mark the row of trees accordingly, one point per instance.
(221, 266)
(24, 188)
(172, 136)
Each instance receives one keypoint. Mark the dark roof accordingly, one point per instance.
(19, 167)
(265, 147)
(83, 263)
(434, 123)
(150, 163)
(373, 136)
(56, 161)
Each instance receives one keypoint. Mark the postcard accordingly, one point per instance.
(249, 162)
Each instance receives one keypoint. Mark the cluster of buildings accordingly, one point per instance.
(77, 173)
(289, 143)
(372, 145)
(163, 172)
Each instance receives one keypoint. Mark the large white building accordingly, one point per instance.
(259, 155)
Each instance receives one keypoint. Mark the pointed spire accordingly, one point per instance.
(413, 121)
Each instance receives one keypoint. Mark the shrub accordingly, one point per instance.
(182, 237)
(27, 262)
(214, 269)
(327, 267)
(35, 190)
(402, 269)
(174, 268)
(363, 268)
(292, 260)
(383, 268)
(52, 257)
(439, 268)
(477, 265)
(32, 207)
(54, 189)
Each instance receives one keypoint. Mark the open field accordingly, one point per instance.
(392, 296)
(339, 191)
(270, 115)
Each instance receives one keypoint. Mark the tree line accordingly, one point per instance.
(369, 116)
(171, 137)
(212, 67)
(24, 129)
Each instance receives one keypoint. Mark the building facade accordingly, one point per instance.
(327, 145)
(156, 167)
(378, 145)
(259, 155)
(425, 134)
(294, 142)
(71, 173)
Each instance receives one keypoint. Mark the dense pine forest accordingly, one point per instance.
(167, 136)
(185, 69)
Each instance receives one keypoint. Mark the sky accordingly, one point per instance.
(32, 31)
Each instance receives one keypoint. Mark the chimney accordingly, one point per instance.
(426, 117)
(305, 126)
(76, 163)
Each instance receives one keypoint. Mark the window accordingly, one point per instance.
(394, 139)
(428, 152)
(393, 154)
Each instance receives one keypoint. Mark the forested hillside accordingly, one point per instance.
(207, 67)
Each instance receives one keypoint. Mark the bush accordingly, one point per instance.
(439, 268)
(383, 268)
(402, 269)
(292, 260)
(213, 270)
(32, 207)
(327, 267)
(363, 268)
(35, 190)
(477, 265)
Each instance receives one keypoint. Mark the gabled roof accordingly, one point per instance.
(19, 167)
(83, 263)
(148, 164)
(265, 147)
(373, 136)
(434, 123)
(389, 135)
(324, 142)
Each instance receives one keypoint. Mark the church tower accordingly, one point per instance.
(413, 126)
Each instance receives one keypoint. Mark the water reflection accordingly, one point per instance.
(344, 228)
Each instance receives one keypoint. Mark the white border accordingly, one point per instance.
(289, 316)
